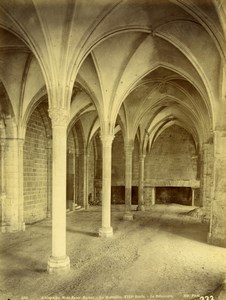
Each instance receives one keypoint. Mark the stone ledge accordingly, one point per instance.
(171, 182)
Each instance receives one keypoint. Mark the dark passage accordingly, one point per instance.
(179, 195)
(118, 195)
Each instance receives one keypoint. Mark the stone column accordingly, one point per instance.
(70, 179)
(76, 181)
(3, 194)
(206, 178)
(14, 185)
(72, 207)
(21, 184)
(128, 182)
(199, 167)
(49, 177)
(217, 231)
(81, 181)
(192, 197)
(106, 230)
(141, 183)
(86, 179)
(59, 261)
(153, 195)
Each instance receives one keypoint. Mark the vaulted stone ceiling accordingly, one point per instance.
(148, 63)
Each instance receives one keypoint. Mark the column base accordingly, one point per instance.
(106, 232)
(128, 216)
(148, 207)
(58, 265)
(22, 227)
(141, 207)
(71, 205)
(216, 240)
(15, 228)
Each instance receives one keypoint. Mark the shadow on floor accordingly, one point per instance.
(174, 224)
(88, 233)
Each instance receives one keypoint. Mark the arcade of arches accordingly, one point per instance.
(111, 103)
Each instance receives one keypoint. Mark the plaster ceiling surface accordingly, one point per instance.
(132, 58)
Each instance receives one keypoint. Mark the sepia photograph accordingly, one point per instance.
(112, 149)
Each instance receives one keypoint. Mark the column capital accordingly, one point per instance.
(107, 139)
(142, 156)
(220, 131)
(59, 116)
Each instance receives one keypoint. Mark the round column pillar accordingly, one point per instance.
(21, 225)
(86, 179)
(217, 230)
(3, 194)
(128, 182)
(141, 183)
(49, 177)
(106, 230)
(59, 261)
(192, 197)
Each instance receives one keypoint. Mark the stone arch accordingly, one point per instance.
(40, 96)
(173, 163)
(177, 46)
(7, 116)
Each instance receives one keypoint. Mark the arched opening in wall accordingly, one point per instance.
(71, 170)
(177, 195)
(135, 172)
(38, 165)
(118, 170)
(91, 162)
(7, 132)
(171, 169)
(97, 147)
(7, 122)
(6, 109)
(75, 180)
(6, 114)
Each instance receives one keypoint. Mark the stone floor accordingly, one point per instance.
(162, 254)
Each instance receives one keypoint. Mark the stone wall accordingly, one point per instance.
(118, 170)
(172, 162)
(70, 169)
(171, 156)
(136, 163)
(118, 161)
(35, 169)
(206, 177)
(91, 164)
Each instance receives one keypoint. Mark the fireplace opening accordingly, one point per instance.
(118, 195)
(178, 195)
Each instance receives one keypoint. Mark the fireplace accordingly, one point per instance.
(179, 195)
(118, 195)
